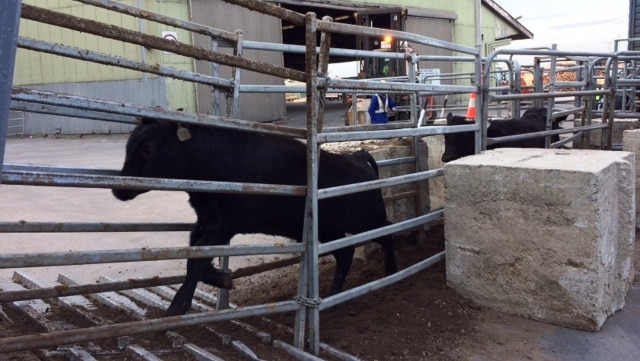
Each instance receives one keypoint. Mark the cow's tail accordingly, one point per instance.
(367, 158)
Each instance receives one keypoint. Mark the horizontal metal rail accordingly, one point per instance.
(271, 9)
(379, 132)
(59, 169)
(134, 37)
(71, 112)
(51, 292)
(14, 260)
(162, 19)
(325, 193)
(146, 184)
(509, 138)
(531, 96)
(99, 58)
(379, 232)
(334, 27)
(381, 283)
(79, 102)
(69, 227)
(28, 342)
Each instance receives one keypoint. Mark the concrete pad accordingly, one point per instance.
(542, 233)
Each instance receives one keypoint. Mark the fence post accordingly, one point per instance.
(9, 22)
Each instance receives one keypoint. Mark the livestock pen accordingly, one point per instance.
(307, 304)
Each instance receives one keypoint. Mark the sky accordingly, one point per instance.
(574, 25)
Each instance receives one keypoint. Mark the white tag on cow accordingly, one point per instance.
(183, 133)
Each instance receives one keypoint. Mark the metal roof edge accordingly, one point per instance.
(431, 13)
(523, 32)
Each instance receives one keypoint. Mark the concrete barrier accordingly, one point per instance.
(619, 127)
(631, 143)
(435, 146)
(400, 199)
(542, 233)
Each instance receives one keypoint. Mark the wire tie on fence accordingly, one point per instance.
(309, 302)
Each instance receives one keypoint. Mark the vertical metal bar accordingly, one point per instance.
(481, 117)
(9, 24)
(236, 74)
(611, 76)
(421, 187)
(323, 70)
(313, 162)
(517, 87)
(223, 293)
(232, 110)
(553, 69)
(143, 50)
(215, 72)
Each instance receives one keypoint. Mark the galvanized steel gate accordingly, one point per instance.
(307, 304)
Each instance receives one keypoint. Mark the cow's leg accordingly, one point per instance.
(390, 265)
(200, 269)
(344, 258)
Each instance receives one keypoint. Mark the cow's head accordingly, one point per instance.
(154, 150)
(458, 145)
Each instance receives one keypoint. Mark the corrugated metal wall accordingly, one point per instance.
(256, 27)
(50, 72)
(40, 68)
(441, 29)
(634, 24)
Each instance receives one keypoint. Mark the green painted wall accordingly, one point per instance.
(36, 68)
(181, 94)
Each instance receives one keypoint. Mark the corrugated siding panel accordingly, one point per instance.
(48, 68)
(634, 24)
(441, 29)
(256, 27)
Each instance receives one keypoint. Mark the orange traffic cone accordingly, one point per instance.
(471, 109)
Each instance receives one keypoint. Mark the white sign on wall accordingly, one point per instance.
(429, 76)
(170, 35)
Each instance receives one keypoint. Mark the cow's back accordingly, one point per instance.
(257, 158)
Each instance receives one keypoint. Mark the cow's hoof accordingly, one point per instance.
(178, 307)
(225, 281)
(219, 279)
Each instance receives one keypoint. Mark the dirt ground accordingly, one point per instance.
(420, 318)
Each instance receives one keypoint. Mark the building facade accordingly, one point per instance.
(452, 21)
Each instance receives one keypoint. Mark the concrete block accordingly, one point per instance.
(400, 199)
(619, 127)
(631, 143)
(546, 234)
(435, 146)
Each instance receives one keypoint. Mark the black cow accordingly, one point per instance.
(155, 150)
(458, 145)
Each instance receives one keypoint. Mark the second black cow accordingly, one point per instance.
(161, 149)
(458, 145)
